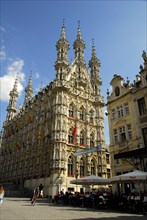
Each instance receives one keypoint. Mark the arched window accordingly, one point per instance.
(59, 99)
(81, 138)
(91, 113)
(70, 166)
(82, 113)
(70, 136)
(93, 168)
(58, 125)
(82, 170)
(61, 74)
(71, 111)
(96, 90)
(91, 140)
(57, 154)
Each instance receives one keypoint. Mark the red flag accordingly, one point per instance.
(74, 131)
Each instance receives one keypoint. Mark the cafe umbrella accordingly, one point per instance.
(133, 176)
(90, 180)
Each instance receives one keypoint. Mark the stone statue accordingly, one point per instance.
(144, 56)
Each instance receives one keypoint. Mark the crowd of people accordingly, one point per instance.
(134, 202)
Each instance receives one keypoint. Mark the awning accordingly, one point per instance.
(138, 153)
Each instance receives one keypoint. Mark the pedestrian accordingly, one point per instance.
(41, 190)
(35, 196)
(2, 192)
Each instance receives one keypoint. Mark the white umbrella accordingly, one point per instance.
(90, 180)
(134, 176)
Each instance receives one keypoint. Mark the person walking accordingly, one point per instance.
(35, 196)
(2, 192)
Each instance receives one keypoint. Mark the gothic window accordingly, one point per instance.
(70, 166)
(61, 74)
(91, 140)
(96, 90)
(71, 111)
(115, 134)
(57, 154)
(65, 101)
(81, 138)
(79, 73)
(82, 113)
(99, 161)
(122, 134)
(59, 99)
(141, 106)
(70, 136)
(129, 131)
(107, 158)
(91, 116)
(58, 125)
(93, 168)
(82, 170)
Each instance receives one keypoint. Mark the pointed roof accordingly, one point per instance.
(79, 40)
(94, 60)
(62, 40)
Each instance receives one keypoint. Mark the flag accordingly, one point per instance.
(74, 130)
(30, 118)
(17, 145)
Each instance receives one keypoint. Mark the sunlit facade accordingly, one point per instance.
(66, 116)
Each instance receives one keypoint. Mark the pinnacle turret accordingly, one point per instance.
(11, 109)
(62, 46)
(79, 46)
(94, 63)
(29, 90)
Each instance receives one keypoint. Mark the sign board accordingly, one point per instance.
(90, 150)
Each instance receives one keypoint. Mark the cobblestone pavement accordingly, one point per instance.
(21, 209)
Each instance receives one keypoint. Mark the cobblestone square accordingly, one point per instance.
(21, 209)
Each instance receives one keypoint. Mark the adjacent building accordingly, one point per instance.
(127, 116)
(66, 116)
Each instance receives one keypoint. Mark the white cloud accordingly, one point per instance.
(14, 70)
(2, 55)
(36, 75)
(2, 29)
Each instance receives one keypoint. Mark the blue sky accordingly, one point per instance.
(30, 30)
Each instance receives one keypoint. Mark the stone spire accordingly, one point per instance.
(29, 90)
(79, 46)
(11, 109)
(94, 64)
(62, 46)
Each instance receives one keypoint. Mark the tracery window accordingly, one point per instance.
(81, 138)
(82, 168)
(91, 140)
(93, 168)
(70, 136)
(70, 166)
(82, 113)
(91, 116)
(71, 111)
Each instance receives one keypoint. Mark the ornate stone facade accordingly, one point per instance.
(127, 116)
(66, 116)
